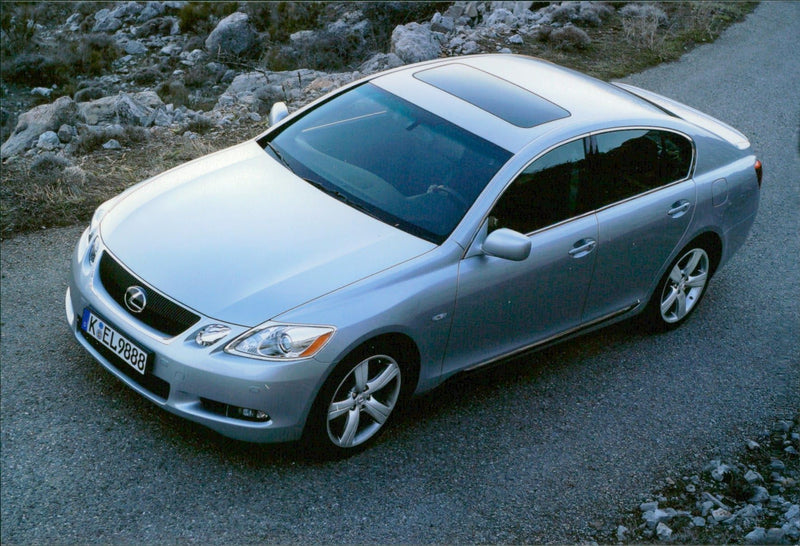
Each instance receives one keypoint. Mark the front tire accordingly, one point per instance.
(680, 289)
(356, 403)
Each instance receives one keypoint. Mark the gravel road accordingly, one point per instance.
(548, 448)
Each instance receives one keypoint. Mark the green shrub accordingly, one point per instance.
(91, 55)
(200, 124)
(174, 92)
(281, 19)
(95, 54)
(199, 17)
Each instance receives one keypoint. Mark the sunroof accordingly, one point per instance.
(497, 96)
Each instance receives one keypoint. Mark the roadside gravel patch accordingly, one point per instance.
(753, 497)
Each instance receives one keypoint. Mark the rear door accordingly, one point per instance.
(645, 201)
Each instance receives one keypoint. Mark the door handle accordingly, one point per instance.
(679, 208)
(582, 247)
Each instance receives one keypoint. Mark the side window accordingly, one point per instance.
(676, 157)
(546, 192)
(630, 162)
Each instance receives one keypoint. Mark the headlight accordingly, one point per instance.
(281, 341)
(92, 238)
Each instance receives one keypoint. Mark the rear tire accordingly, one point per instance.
(680, 289)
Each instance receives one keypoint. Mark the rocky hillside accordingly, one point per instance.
(97, 96)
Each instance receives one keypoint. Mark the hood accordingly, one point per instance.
(239, 238)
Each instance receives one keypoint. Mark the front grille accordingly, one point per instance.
(159, 313)
(154, 384)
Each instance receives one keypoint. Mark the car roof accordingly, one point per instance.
(511, 100)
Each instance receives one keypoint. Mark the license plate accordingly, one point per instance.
(128, 351)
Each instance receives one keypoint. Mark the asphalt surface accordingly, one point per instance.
(543, 449)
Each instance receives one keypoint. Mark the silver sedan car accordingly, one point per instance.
(413, 225)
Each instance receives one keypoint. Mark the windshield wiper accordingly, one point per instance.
(340, 196)
(279, 156)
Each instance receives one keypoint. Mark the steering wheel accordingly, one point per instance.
(450, 192)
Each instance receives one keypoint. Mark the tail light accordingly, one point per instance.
(759, 171)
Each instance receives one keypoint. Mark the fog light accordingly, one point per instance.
(211, 334)
(249, 414)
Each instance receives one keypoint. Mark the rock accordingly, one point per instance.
(48, 141)
(622, 533)
(654, 517)
(792, 513)
(517, 8)
(442, 23)
(414, 43)
(470, 47)
(751, 445)
(41, 92)
(648, 506)
(515, 39)
(750, 511)
(73, 22)
(66, 133)
(190, 58)
(162, 118)
(471, 10)
(34, 122)
(89, 93)
(777, 464)
(232, 36)
(127, 109)
(134, 47)
(500, 16)
(720, 514)
(455, 11)
(126, 10)
(719, 472)
(752, 476)
(774, 535)
(663, 532)
(105, 22)
(170, 49)
(380, 62)
(756, 536)
(697, 521)
(112, 144)
(150, 11)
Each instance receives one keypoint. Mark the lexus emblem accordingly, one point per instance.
(135, 299)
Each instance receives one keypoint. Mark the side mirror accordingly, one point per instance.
(277, 113)
(507, 244)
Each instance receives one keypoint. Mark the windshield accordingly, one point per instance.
(393, 160)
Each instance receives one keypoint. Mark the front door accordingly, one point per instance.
(504, 305)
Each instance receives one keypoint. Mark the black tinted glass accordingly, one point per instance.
(502, 98)
(546, 192)
(391, 159)
(631, 162)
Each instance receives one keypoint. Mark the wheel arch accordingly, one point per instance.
(409, 353)
(712, 243)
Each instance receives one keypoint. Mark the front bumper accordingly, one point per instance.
(203, 384)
